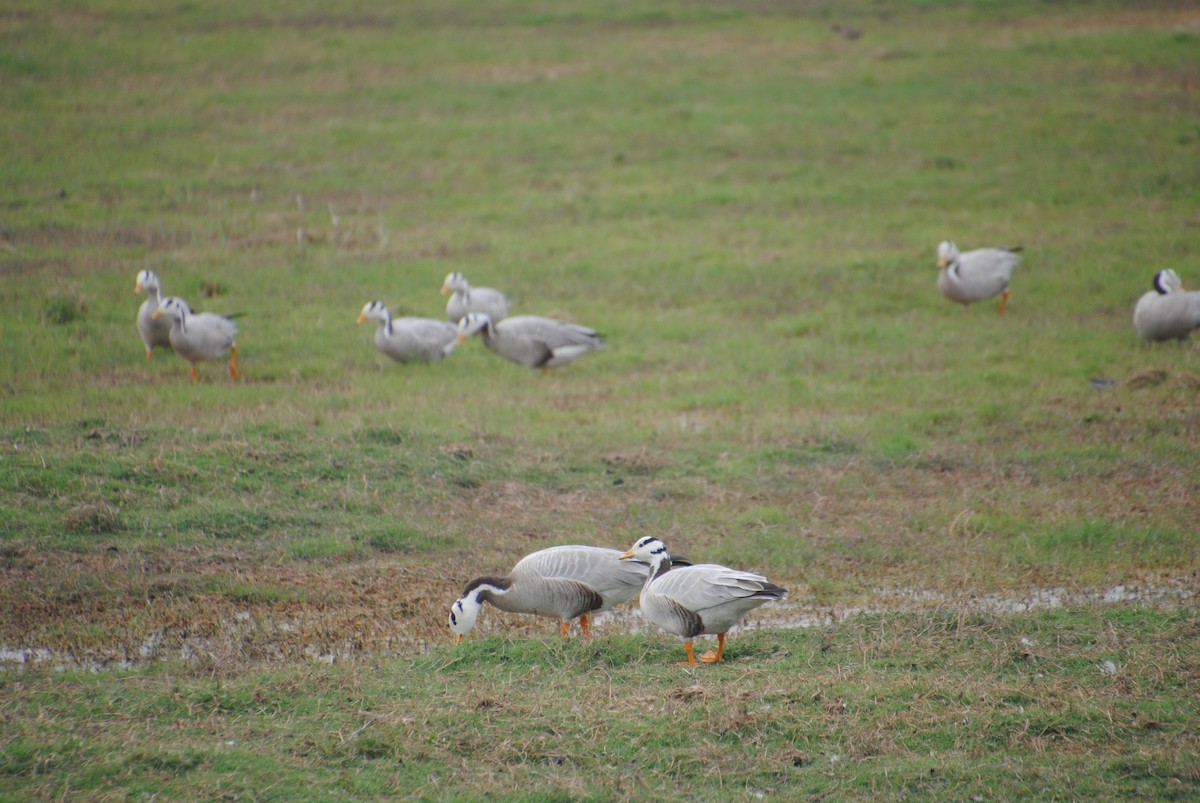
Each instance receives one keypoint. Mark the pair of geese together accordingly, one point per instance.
(574, 582)
(1167, 312)
(169, 322)
(530, 340)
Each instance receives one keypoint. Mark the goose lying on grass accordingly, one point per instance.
(465, 298)
(155, 332)
(202, 336)
(976, 275)
(405, 339)
(531, 339)
(563, 582)
(1168, 312)
(689, 601)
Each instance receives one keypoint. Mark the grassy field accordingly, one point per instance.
(239, 589)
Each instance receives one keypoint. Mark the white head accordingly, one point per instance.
(465, 609)
(455, 282)
(650, 550)
(472, 324)
(947, 252)
(146, 280)
(1167, 282)
(172, 308)
(375, 311)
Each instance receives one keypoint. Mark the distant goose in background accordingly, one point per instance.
(531, 339)
(1168, 312)
(155, 332)
(465, 299)
(703, 599)
(202, 336)
(405, 339)
(562, 582)
(976, 275)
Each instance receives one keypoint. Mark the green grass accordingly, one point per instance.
(747, 204)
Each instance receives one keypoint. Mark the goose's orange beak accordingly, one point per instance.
(941, 262)
(445, 289)
(462, 338)
(138, 289)
(156, 314)
(627, 556)
(458, 638)
(361, 317)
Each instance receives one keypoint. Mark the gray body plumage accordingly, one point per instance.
(562, 582)
(465, 299)
(198, 336)
(705, 599)
(974, 275)
(531, 339)
(1168, 312)
(407, 339)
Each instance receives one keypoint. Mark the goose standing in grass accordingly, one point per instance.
(405, 339)
(531, 339)
(704, 599)
(155, 332)
(563, 582)
(464, 298)
(1168, 312)
(976, 275)
(199, 336)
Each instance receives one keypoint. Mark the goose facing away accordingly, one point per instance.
(531, 339)
(1168, 312)
(562, 582)
(405, 339)
(703, 599)
(975, 275)
(464, 299)
(155, 332)
(199, 336)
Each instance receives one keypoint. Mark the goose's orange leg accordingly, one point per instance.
(1003, 303)
(691, 661)
(195, 374)
(712, 656)
(564, 629)
(233, 372)
(585, 626)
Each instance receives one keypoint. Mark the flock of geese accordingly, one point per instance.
(532, 340)
(574, 582)
(1167, 312)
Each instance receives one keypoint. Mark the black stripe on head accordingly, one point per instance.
(1159, 283)
(646, 541)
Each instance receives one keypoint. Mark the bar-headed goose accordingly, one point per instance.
(464, 298)
(155, 332)
(976, 275)
(531, 339)
(405, 339)
(705, 598)
(563, 582)
(199, 336)
(1168, 312)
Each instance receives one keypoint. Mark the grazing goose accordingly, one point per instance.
(405, 339)
(531, 339)
(154, 331)
(1168, 312)
(465, 298)
(976, 275)
(565, 582)
(199, 336)
(689, 601)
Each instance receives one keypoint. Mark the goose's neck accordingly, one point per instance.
(386, 322)
(658, 567)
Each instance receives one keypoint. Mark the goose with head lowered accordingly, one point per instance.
(975, 275)
(407, 339)
(531, 339)
(702, 599)
(561, 582)
(1168, 312)
(155, 332)
(464, 299)
(199, 336)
